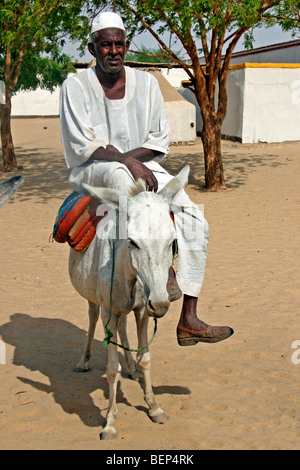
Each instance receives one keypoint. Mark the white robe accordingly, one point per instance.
(89, 120)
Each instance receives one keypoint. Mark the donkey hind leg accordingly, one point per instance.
(83, 365)
(130, 362)
(156, 414)
(113, 371)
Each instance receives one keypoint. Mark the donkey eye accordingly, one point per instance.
(132, 243)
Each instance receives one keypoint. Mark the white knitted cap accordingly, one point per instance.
(107, 20)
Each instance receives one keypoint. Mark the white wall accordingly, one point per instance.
(234, 119)
(175, 76)
(263, 104)
(233, 124)
(189, 96)
(271, 105)
(36, 103)
(181, 114)
(43, 103)
(181, 117)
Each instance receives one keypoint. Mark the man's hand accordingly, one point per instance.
(133, 160)
(139, 170)
(109, 154)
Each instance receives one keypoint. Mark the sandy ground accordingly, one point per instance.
(239, 394)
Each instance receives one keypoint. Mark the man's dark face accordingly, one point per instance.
(109, 49)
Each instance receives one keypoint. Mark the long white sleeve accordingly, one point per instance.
(89, 120)
(77, 131)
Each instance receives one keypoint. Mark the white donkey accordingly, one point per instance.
(128, 274)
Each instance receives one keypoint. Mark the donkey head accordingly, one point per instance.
(150, 234)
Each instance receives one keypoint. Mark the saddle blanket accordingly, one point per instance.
(76, 221)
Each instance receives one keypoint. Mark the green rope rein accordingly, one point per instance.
(109, 335)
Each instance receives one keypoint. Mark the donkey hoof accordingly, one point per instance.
(108, 435)
(159, 419)
(82, 370)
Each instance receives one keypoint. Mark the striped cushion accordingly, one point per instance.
(76, 221)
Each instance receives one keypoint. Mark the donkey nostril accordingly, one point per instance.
(157, 309)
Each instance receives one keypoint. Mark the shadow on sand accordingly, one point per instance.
(53, 347)
(46, 175)
(237, 166)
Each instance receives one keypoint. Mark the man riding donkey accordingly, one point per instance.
(114, 132)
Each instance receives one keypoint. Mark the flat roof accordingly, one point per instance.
(272, 47)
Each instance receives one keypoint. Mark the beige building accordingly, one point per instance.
(263, 102)
(263, 95)
(181, 113)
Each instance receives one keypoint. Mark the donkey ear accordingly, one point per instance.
(175, 185)
(105, 195)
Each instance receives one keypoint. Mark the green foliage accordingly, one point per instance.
(287, 14)
(81, 23)
(201, 18)
(147, 55)
(31, 39)
(43, 72)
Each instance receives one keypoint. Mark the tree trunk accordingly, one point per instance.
(211, 132)
(211, 139)
(8, 151)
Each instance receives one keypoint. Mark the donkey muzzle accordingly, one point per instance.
(157, 308)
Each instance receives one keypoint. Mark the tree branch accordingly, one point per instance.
(17, 69)
(185, 66)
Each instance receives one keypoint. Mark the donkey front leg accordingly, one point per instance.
(131, 364)
(83, 365)
(113, 370)
(156, 414)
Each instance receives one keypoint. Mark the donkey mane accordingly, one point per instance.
(138, 187)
